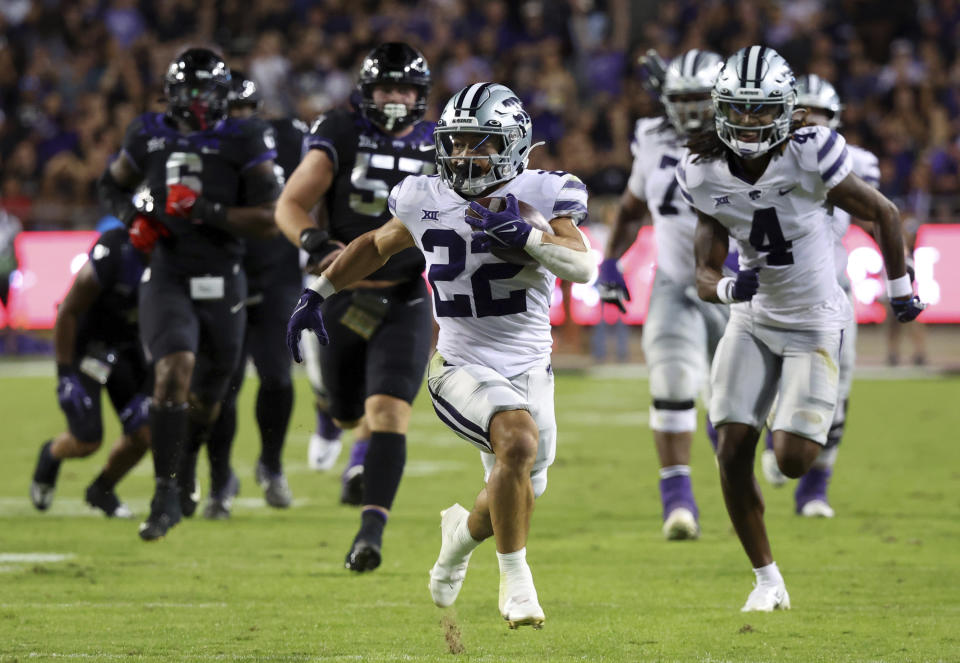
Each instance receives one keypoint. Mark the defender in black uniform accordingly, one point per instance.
(381, 330)
(210, 180)
(97, 344)
(274, 284)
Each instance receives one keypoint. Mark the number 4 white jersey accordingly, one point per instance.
(656, 152)
(490, 312)
(781, 227)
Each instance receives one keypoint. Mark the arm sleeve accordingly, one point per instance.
(571, 199)
(135, 143)
(105, 256)
(325, 134)
(833, 157)
(638, 176)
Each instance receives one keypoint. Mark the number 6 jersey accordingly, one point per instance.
(490, 312)
(781, 227)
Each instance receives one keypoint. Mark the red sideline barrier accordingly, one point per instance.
(48, 261)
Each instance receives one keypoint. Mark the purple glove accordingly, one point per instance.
(306, 316)
(907, 308)
(745, 285)
(74, 399)
(611, 286)
(506, 228)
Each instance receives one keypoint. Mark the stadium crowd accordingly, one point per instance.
(74, 73)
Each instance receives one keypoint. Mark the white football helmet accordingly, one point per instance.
(754, 82)
(817, 94)
(686, 90)
(484, 110)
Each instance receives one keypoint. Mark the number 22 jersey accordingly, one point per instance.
(781, 227)
(490, 312)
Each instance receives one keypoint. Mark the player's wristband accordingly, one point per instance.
(899, 287)
(534, 239)
(322, 286)
(209, 212)
(725, 289)
(64, 369)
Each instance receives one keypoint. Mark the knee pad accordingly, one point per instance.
(673, 416)
(674, 378)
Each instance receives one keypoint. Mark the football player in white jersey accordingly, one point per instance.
(490, 380)
(823, 107)
(681, 331)
(763, 181)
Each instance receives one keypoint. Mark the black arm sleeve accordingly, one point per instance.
(117, 199)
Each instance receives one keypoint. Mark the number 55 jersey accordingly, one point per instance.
(367, 163)
(781, 227)
(490, 312)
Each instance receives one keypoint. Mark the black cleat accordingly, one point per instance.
(363, 556)
(221, 500)
(107, 501)
(44, 483)
(164, 511)
(351, 486)
(189, 486)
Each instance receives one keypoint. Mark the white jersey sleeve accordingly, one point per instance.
(571, 199)
(830, 160)
(639, 147)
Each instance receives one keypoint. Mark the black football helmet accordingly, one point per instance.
(244, 92)
(394, 62)
(197, 85)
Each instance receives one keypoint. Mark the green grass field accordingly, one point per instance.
(880, 582)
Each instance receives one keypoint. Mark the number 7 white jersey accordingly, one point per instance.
(490, 312)
(781, 227)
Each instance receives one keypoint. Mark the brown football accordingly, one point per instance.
(529, 213)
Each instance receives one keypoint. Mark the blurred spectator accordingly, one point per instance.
(73, 73)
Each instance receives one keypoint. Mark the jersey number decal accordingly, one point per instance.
(372, 197)
(666, 206)
(185, 168)
(766, 226)
(484, 301)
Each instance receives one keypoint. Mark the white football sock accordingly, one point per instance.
(515, 569)
(769, 575)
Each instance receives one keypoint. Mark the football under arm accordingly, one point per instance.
(566, 253)
(864, 202)
(710, 246)
(84, 291)
(363, 256)
(626, 225)
(305, 187)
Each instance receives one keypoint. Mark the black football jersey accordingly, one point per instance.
(112, 319)
(273, 260)
(211, 162)
(367, 164)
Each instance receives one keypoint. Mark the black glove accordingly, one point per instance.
(317, 244)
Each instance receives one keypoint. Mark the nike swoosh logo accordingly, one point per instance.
(299, 308)
(414, 302)
(784, 192)
(236, 308)
(427, 148)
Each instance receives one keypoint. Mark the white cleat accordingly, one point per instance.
(446, 580)
(771, 470)
(523, 610)
(681, 525)
(322, 453)
(817, 509)
(767, 598)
